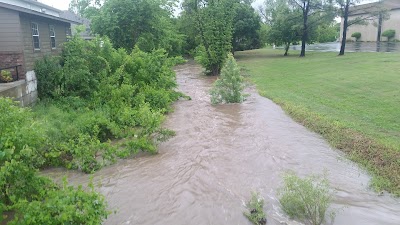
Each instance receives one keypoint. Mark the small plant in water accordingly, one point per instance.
(228, 88)
(255, 206)
(307, 199)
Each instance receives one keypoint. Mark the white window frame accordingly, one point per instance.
(35, 34)
(52, 31)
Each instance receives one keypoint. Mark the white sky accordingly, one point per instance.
(63, 4)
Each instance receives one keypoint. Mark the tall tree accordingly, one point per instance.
(147, 24)
(370, 12)
(84, 8)
(213, 20)
(246, 27)
(318, 9)
(283, 21)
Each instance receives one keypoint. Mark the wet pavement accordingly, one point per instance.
(220, 154)
(351, 47)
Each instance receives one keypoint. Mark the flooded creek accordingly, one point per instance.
(205, 174)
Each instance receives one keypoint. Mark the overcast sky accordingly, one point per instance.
(63, 4)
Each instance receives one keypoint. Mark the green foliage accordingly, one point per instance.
(48, 71)
(284, 25)
(246, 28)
(256, 210)
(65, 205)
(214, 24)
(389, 34)
(145, 24)
(229, 87)
(22, 149)
(5, 76)
(306, 199)
(356, 35)
(327, 32)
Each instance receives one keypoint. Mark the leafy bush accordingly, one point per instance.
(228, 88)
(22, 190)
(256, 212)
(48, 72)
(389, 34)
(306, 199)
(5, 76)
(65, 205)
(356, 35)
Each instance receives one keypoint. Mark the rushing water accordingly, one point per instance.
(220, 154)
(351, 47)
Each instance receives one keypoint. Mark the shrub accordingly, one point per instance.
(356, 35)
(48, 72)
(65, 205)
(306, 199)
(5, 76)
(256, 212)
(389, 34)
(228, 88)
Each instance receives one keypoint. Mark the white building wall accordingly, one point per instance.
(369, 33)
(393, 23)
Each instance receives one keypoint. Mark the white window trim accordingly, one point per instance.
(35, 35)
(53, 36)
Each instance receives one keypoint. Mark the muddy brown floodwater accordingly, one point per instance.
(206, 173)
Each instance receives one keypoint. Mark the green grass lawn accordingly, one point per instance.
(353, 101)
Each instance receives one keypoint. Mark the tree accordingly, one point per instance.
(369, 12)
(213, 20)
(229, 87)
(246, 28)
(84, 8)
(283, 21)
(313, 11)
(328, 32)
(145, 23)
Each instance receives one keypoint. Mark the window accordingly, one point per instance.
(52, 37)
(35, 36)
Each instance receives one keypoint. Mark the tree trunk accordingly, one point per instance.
(287, 45)
(304, 37)
(345, 26)
(380, 20)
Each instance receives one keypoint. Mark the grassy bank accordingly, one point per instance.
(352, 101)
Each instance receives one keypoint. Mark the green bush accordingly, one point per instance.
(23, 146)
(256, 210)
(356, 35)
(306, 199)
(48, 72)
(228, 88)
(389, 34)
(65, 205)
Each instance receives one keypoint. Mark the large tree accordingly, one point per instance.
(313, 12)
(366, 13)
(283, 21)
(246, 27)
(147, 24)
(213, 22)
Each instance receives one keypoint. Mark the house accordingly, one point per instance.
(29, 30)
(87, 33)
(371, 31)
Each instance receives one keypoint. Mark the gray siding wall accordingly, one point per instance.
(32, 55)
(10, 31)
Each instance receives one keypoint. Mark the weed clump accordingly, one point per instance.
(307, 199)
(255, 206)
(229, 87)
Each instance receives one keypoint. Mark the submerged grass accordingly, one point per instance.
(353, 101)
